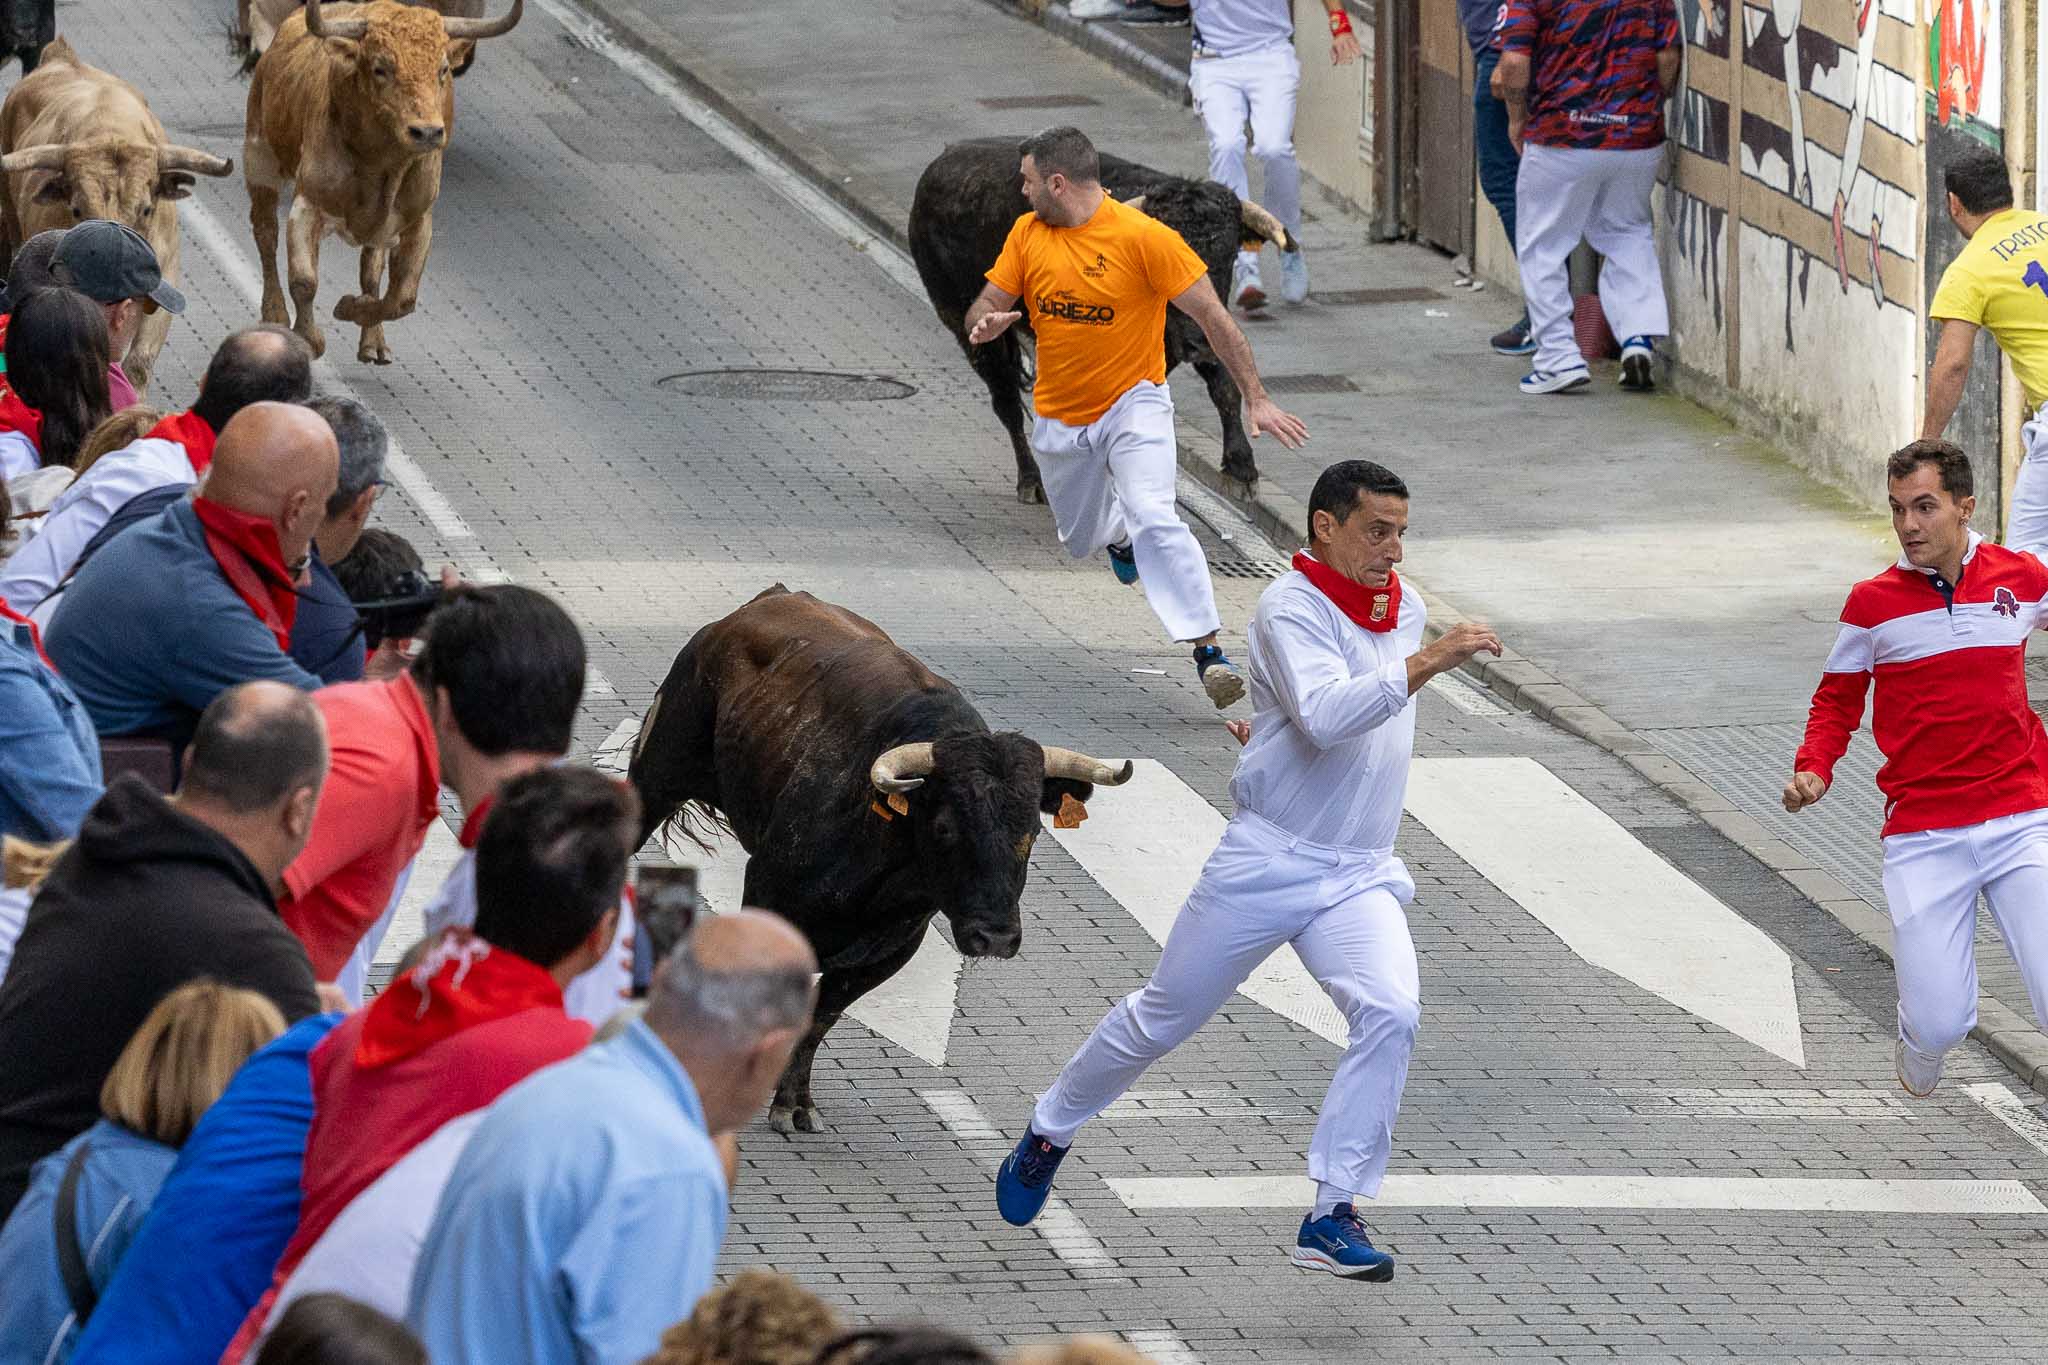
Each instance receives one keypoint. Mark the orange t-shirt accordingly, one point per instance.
(382, 791)
(1096, 295)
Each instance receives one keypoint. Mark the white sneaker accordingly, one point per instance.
(1086, 10)
(1916, 1076)
(1556, 381)
(1293, 276)
(1244, 289)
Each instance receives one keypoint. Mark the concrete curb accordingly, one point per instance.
(1281, 517)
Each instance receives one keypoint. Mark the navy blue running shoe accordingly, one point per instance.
(1123, 563)
(1024, 1182)
(1337, 1243)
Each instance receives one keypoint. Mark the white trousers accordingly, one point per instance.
(1563, 194)
(2026, 526)
(353, 979)
(1112, 481)
(1259, 88)
(1341, 909)
(1931, 881)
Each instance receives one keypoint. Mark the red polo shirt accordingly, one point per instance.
(383, 790)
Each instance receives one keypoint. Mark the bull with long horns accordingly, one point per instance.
(868, 793)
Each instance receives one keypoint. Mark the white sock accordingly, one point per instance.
(1328, 1197)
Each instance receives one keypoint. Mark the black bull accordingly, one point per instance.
(965, 204)
(794, 722)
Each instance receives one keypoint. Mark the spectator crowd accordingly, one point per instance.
(229, 713)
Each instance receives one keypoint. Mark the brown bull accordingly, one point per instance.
(352, 105)
(77, 143)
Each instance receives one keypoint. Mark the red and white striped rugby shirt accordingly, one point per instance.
(1960, 744)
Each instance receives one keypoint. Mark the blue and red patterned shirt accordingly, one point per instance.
(1593, 78)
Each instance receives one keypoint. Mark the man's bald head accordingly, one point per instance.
(732, 980)
(278, 461)
(261, 364)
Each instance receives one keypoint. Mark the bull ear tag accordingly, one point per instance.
(899, 803)
(1071, 812)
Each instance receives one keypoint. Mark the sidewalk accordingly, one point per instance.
(1668, 587)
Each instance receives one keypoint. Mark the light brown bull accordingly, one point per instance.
(352, 106)
(77, 143)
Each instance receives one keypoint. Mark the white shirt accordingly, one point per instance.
(592, 997)
(1333, 724)
(33, 572)
(18, 456)
(1231, 28)
(369, 1250)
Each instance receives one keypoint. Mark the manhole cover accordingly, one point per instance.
(799, 386)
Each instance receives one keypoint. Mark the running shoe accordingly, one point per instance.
(1337, 1243)
(1024, 1181)
(1514, 340)
(1245, 292)
(1293, 276)
(1636, 356)
(1088, 10)
(1915, 1077)
(1123, 564)
(1145, 13)
(1220, 678)
(1556, 381)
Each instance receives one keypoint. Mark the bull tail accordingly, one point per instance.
(698, 821)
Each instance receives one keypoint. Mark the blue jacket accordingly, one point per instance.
(49, 755)
(149, 632)
(115, 1188)
(326, 635)
(221, 1220)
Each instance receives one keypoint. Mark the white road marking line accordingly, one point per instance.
(1059, 1225)
(206, 230)
(784, 179)
(1613, 902)
(913, 1009)
(1145, 844)
(1165, 1348)
(2012, 1111)
(1465, 696)
(1529, 1190)
(596, 684)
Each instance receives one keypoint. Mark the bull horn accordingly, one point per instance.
(193, 160)
(901, 769)
(1136, 201)
(340, 28)
(484, 28)
(1266, 227)
(1079, 767)
(44, 156)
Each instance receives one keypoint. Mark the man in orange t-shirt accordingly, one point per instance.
(1099, 275)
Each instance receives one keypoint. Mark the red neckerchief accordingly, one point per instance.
(35, 637)
(462, 982)
(189, 430)
(16, 415)
(473, 823)
(1374, 609)
(245, 546)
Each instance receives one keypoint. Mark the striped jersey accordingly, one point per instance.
(1593, 69)
(1960, 744)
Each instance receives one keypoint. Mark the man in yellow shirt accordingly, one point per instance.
(1098, 275)
(2000, 281)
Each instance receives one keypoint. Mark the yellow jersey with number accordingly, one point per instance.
(2000, 282)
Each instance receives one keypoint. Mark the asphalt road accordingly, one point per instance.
(1595, 1161)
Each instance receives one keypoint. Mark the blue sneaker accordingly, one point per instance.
(1514, 340)
(1636, 358)
(1337, 1243)
(1293, 277)
(1219, 677)
(1123, 563)
(1024, 1181)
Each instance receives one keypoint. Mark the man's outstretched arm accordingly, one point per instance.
(1261, 413)
(990, 315)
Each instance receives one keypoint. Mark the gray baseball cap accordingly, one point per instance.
(109, 262)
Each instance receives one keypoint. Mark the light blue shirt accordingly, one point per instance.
(582, 1220)
(1232, 28)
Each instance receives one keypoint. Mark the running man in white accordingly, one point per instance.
(1942, 637)
(1307, 860)
(1099, 275)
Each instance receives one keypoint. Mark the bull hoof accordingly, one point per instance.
(1030, 493)
(792, 1119)
(1246, 474)
(374, 353)
(316, 339)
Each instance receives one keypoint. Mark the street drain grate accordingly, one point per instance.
(1247, 568)
(1036, 101)
(798, 386)
(1413, 293)
(1309, 383)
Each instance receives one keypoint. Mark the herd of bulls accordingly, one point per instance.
(868, 792)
